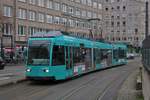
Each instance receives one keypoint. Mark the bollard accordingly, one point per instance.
(139, 80)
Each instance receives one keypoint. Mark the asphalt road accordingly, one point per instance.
(12, 73)
(101, 85)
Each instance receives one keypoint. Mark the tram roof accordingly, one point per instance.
(58, 38)
(116, 46)
(85, 42)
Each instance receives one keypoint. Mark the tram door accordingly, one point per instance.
(109, 58)
(69, 57)
(106, 58)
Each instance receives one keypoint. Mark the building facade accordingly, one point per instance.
(22, 18)
(124, 21)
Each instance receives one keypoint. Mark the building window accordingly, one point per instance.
(32, 30)
(49, 19)
(106, 9)
(83, 13)
(124, 32)
(56, 6)
(118, 17)
(22, 0)
(77, 12)
(94, 4)
(124, 8)
(22, 14)
(70, 10)
(32, 2)
(7, 11)
(78, 1)
(32, 15)
(94, 15)
(118, 7)
(99, 16)
(89, 2)
(112, 1)
(71, 22)
(112, 24)
(56, 20)
(49, 4)
(99, 6)
(124, 23)
(83, 2)
(77, 24)
(41, 3)
(118, 23)
(89, 14)
(41, 17)
(21, 30)
(63, 21)
(107, 23)
(64, 7)
(7, 29)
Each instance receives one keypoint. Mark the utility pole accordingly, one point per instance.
(146, 21)
(13, 36)
(1, 30)
(1, 38)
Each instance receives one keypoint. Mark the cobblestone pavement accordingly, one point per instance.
(128, 90)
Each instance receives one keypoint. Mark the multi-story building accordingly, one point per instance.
(123, 21)
(22, 18)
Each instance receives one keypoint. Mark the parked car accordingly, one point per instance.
(130, 56)
(2, 63)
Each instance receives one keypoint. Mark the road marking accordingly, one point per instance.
(8, 74)
(4, 78)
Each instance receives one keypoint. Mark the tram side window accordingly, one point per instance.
(98, 56)
(88, 57)
(122, 53)
(58, 57)
(115, 54)
(79, 55)
(104, 54)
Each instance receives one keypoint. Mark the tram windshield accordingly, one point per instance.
(38, 54)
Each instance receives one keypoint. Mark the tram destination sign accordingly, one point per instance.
(46, 34)
(39, 42)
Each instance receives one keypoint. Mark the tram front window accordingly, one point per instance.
(38, 55)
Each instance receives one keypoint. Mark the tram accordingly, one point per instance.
(146, 53)
(54, 56)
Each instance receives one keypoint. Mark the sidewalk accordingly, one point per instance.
(12, 74)
(128, 90)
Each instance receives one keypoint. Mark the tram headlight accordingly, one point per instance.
(28, 70)
(46, 70)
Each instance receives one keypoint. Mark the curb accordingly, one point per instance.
(13, 82)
